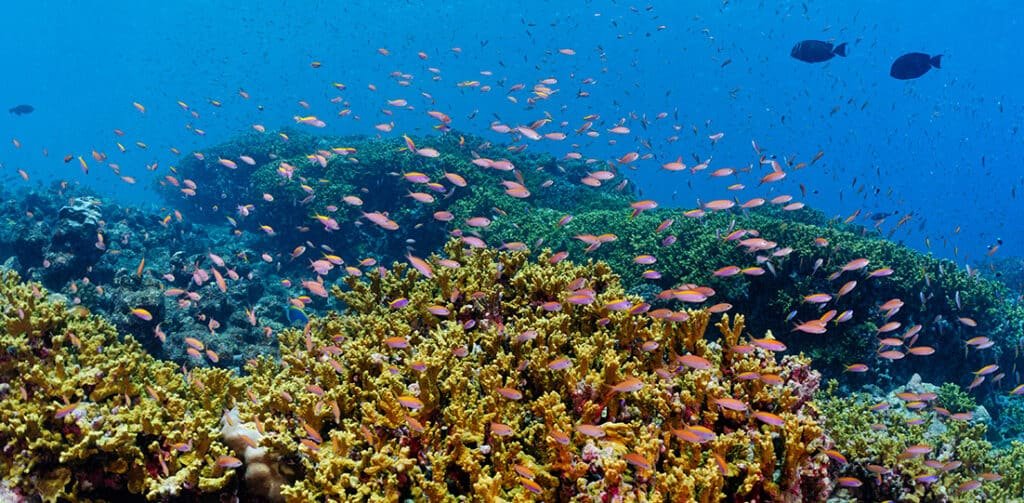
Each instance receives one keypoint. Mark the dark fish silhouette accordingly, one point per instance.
(913, 65)
(816, 51)
(22, 109)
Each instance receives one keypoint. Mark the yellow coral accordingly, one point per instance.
(541, 379)
(81, 407)
(468, 437)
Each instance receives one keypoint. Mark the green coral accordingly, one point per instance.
(301, 185)
(955, 399)
(1011, 418)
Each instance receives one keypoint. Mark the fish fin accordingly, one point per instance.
(936, 61)
(840, 50)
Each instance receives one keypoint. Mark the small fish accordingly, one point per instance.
(836, 456)
(22, 109)
(142, 314)
(410, 402)
(637, 460)
(65, 410)
(856, 367)
(769, 418)
(229, 462)
(731, 404)
(510, 393)
(500, 429)
(560, 363)
(628, 385)
(590, 430)
(817, 298)
(397, 342)
(769, 344)
(913, 65)
(817, 51)
(531, 485)
(296, 316)
(694, 362)
(421, 265)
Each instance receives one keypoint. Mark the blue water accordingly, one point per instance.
(915, 146)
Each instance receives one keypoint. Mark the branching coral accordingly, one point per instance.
(500, 375)
(480, 373)
(84, 414)
(906, 448)
(807, 256)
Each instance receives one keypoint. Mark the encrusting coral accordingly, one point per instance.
(483, 373)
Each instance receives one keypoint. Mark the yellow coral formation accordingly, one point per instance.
(83, 411)
(487, 405)
(541, 378)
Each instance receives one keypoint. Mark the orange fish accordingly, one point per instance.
(719, 204)
(731, 404)
(637, 460)
(229, 462)
(142, 314)
(221, 284)
(590, 430)
(628, 385)
(421, 265)
(315, 287)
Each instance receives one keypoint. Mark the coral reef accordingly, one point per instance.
(903, 446)
(85, 415)
(571, 373)
(481, 373)
(137, 259)
(806, 253)
(308, 198)
(500, 376)
(297, 176)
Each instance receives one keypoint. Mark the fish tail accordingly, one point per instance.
(936, 61)
(840, 50)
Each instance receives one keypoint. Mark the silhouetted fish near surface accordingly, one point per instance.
(22, 109)
(913, 65)
(817, 51)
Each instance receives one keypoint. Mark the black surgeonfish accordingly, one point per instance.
(817, 51)
(22, 109)
(913, 65)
